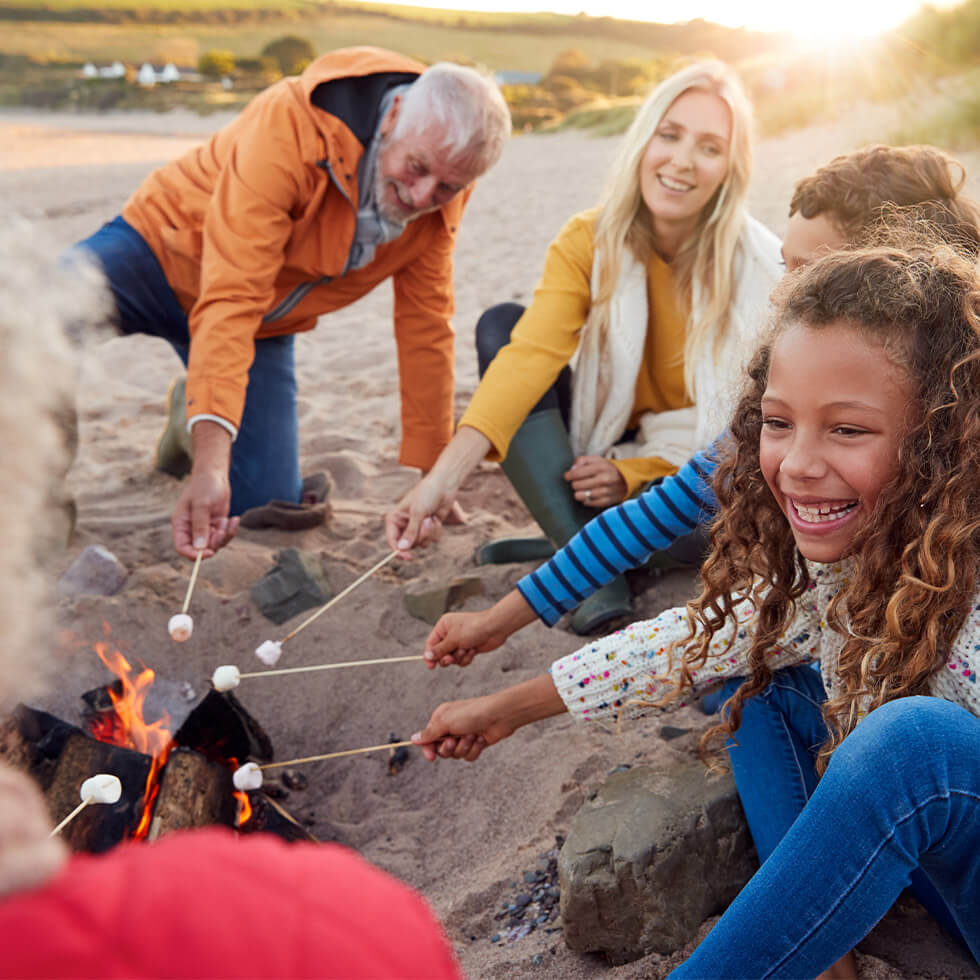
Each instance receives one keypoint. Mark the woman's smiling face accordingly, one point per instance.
(833, 413)
(687, 158)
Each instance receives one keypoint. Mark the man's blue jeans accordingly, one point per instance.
(265, 456)
(899, 804)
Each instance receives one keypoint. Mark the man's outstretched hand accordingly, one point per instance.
(200, 521)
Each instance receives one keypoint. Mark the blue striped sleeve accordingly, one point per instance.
(621, 538)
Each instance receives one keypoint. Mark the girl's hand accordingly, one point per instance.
(458, 637)
(463, 729)
(596, 482)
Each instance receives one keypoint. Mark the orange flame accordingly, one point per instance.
(128, 728)
(244, 809)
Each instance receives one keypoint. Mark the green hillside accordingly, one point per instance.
(181, 30)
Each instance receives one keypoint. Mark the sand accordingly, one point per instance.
(462, 834)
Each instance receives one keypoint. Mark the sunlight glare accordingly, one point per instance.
(830, 22)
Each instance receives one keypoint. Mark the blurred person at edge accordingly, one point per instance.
(194, 904)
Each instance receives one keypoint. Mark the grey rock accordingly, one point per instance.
(296, 583)
(429, 604)
(649, 859)
(96, 571)
(294, 779)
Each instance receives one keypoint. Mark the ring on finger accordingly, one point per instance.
(588, 494)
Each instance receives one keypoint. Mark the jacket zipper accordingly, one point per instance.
(298, 293)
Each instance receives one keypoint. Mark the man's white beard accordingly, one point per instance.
(398, 217)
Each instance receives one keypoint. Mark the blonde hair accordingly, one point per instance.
(704, 264)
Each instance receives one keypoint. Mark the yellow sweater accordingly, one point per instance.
(546, 337)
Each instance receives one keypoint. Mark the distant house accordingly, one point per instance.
(116, 70)
(150, 74)
(518, 77)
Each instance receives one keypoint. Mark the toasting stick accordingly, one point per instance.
(100, 788)
(269, 651)
(249, 776)
(181, 625)
(228, 676)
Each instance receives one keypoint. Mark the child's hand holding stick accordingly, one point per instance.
(463, 729)
(458, 637)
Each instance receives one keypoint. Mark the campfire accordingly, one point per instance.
(171, 779)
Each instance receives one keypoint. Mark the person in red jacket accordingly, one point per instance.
(195, 904)
(325, 185)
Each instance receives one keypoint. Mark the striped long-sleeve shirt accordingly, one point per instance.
(621, 538)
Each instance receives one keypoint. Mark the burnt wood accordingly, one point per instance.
(194, 792)
(222, 729)
(271, 817)
(101, 825)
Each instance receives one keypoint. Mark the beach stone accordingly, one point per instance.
(96, 571)
(649, 858)
(429, 604)
(296, 583)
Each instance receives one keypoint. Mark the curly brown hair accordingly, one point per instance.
(854, 189)
(916, 559)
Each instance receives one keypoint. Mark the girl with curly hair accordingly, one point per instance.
(848, 537)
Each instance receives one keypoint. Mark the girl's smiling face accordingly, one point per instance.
(833, 414)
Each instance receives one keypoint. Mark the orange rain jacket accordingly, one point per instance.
(253, 231)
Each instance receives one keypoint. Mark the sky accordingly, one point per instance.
(824, 20)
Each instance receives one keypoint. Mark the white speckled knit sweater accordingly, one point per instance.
(600, 677)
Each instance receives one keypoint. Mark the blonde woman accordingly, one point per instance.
(621, 367)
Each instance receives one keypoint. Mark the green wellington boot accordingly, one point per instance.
(538, 455)
(174, 445)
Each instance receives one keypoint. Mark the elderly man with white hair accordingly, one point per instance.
(327, 184)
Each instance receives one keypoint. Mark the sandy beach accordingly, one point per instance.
(461, 834)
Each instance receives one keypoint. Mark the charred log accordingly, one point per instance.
(194, 792)
(98, 827)
(222, 730)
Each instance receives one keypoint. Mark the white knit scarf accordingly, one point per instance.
(606, 364)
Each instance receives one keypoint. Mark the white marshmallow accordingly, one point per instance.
(103, 787)
(226, 677)
(180, 627)
(269, 652)
(247, 777)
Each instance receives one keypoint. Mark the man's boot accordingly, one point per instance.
(174, 445)
(539, 454)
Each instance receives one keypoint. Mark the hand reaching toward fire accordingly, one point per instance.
(462, 730)
(458, 637)
(28, 856)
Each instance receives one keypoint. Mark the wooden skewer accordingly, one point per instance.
(71, 816)
(339, 596)
(190, 584)
(335, 755)
(349, 663)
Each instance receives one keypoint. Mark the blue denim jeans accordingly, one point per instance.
(265, 456)
(899, 805)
